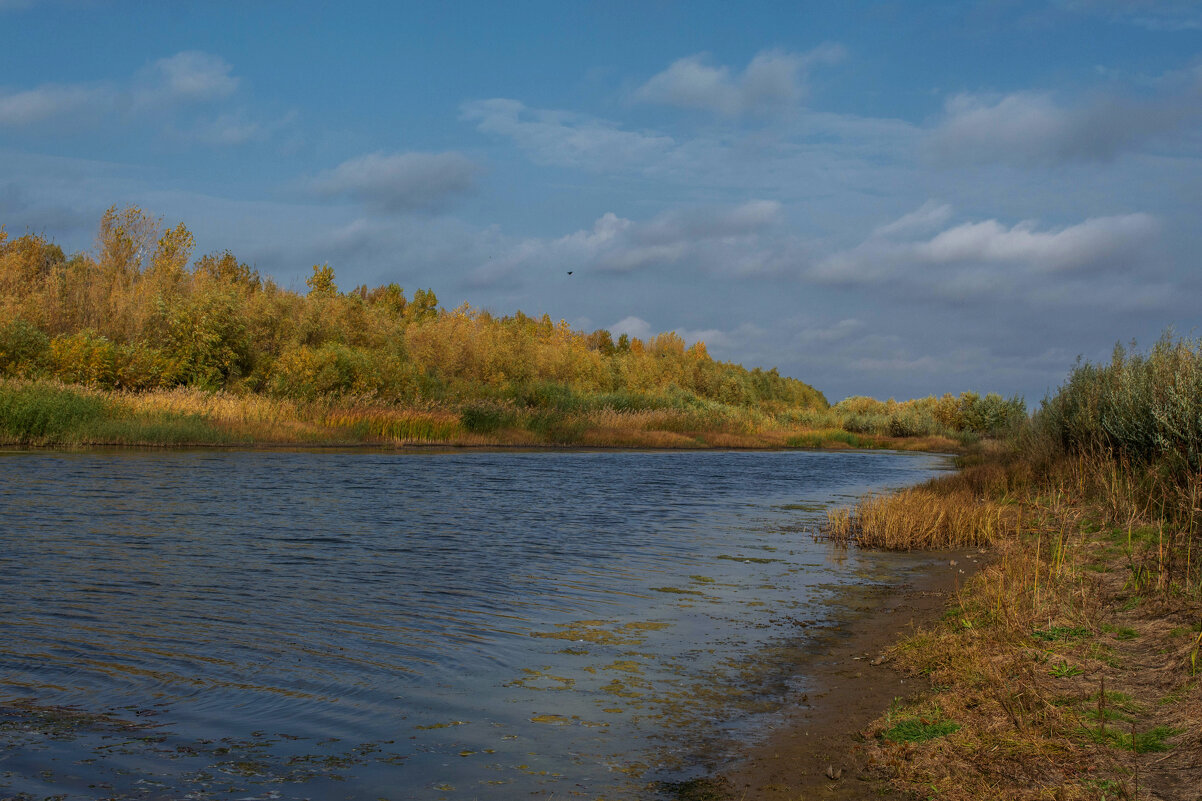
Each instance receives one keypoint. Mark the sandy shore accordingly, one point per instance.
(851, 685)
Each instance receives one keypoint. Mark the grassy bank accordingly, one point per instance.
(40, 413)
(1071, 666)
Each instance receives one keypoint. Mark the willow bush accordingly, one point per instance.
(1140, 407)
(141, 314)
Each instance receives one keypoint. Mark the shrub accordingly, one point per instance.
(23, 348)
(39, 412)
(84, 357)
(207, 340)
(1141, 407)
(483, 417)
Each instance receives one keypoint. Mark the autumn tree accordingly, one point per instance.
(322, 280)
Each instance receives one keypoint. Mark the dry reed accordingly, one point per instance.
(921, 518)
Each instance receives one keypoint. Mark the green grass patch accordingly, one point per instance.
(165, 430)
(1151, 741)
(1055, 633)
(921, 729)
(1105, 788)
(825, 438)
(1064, 671)
(485, 417)
(45, 414)
(1107, 715)
(1121, 632)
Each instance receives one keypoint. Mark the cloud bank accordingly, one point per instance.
(563, 138)
(774, 80)
(1035, 129)
(400, 182)
(988, 260)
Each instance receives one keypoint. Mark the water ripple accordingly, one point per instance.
(439, 608)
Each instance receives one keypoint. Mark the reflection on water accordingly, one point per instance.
(362, 625)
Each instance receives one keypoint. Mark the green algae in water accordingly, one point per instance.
(541, 680)
(804, 507)
(593, 631)
(648, 625)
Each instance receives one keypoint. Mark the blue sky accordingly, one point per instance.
(891, 199)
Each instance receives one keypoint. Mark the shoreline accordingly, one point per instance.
(449, 447)
(850, 682)
(37, 415)
(1067, 661)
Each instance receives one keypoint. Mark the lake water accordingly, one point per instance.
(368, 625)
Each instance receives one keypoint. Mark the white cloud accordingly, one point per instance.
(774, 80)
(52, 101)
(928, 216)
(183, 80)
(562, 138)
(1166, 15)
(729, 239)
(712, 223)
(191, 75)
(1086, 243)
(986, 258)
(634, 327)
(400, 181)
(714, 338)
(230, 129)
(1033, 128)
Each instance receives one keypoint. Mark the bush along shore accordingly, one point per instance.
(141, 344)
(1070, 667)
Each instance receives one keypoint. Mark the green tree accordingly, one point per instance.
(322, 280)
(423, 306)
(225, 268)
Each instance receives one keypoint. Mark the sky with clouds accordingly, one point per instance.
(883, 198)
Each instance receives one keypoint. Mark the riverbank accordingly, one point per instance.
(46, 414)
(852, 678)
(1068, 667)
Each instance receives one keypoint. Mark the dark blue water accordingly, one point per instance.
(436, 625)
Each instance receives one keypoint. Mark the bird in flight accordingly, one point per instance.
(570, 272)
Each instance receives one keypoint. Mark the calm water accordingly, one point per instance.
(437, 625)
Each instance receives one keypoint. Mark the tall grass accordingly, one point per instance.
(1070, 663)
(1142, 408)
(924, 518)
(34, 413)
(41, 413)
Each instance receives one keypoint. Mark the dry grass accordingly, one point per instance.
(924, 519)
(220, 407)
(249, 419)
(1079, 640)
(397, 426)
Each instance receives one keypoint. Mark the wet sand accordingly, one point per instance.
(852, 686)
